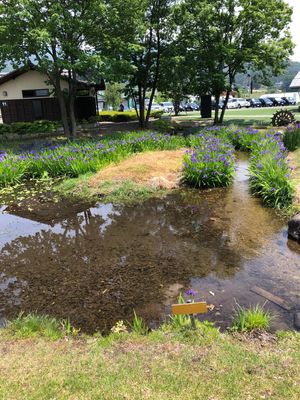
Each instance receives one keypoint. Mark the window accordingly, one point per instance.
(35, 93)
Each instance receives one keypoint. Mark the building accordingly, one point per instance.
(26, 95)
(296, 82)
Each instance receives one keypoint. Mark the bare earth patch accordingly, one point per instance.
(156, 169)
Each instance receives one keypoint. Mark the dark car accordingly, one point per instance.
(277, 101)
(255, 103)
(191, 107)
(265, 102)
(290, 101)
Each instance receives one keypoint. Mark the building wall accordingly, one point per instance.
(28, 81)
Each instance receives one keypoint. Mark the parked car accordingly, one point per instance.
(265, 102)
(191, 107)
(156, 107)
(232, 104)
(255, 103)
(277, 101)
(242, 102)
(167, 106)
(290, 101)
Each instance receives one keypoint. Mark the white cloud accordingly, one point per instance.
(295, 4)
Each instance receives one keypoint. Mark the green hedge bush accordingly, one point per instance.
(116, 116)
(23, 128)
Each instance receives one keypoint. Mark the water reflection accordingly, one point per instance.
(96, 264)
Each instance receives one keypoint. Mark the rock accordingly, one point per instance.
(297, 321)
(294, 227)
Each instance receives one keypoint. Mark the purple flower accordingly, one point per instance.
(190, 292)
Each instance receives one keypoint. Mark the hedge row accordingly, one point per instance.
(23, 128)
(115, 116)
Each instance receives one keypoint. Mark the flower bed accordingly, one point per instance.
(210, 163)
(270, 172)
(75, 158)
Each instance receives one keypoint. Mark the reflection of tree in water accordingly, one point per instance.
(96, 276)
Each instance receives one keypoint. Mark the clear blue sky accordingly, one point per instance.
(295, 28)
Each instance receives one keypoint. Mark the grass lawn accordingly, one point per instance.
(244, 116)
(192, 365)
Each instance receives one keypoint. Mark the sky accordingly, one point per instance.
(295, 29)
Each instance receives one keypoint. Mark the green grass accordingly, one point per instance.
(164, 364)
(251, 319)
(34, 325)
(244, 116)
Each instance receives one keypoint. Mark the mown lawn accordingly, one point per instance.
(204, 366)
(244, 116)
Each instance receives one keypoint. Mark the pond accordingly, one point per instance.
(95, 264)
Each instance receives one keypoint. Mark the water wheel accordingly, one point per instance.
(283, 118)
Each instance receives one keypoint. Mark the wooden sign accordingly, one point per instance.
(190, 308)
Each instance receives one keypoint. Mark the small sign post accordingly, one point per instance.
(190, 309)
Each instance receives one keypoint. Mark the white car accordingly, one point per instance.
(232, 104)
(167, 106)
(242, 102)
(156, 107)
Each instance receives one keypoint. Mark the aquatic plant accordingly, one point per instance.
(210, 163)
(250, 319)
(33, 325)
(270, 172)
(138, 325)
(291, 138)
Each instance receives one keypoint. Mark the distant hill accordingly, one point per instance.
(281, 82)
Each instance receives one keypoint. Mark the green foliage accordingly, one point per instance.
(291, 138)
(34, 325)
(210, 163)
(156, 114)
(23, 128)
(251, 319)
(180, 322)
(163, 125)
(75, 158)
(138, 326)
(270, 173)
(114, 116)
(126, 192)
(113, 95)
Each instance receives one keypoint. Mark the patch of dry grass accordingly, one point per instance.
(156, 169)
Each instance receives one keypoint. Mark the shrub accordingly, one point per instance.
(23, 128)
(253, 318)
(156, 114)
(210, 163)
(4, 129)
(270, 173)
(114, 116)
(163, 126)
(291, 137)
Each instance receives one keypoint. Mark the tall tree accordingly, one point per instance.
(140, 31)
(232, 36)
(54, 35)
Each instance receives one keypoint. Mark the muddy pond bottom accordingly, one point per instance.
(96, 265)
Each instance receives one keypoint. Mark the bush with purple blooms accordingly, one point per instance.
(79, 157)
(270, 172)
(291, 137)
(210, 163)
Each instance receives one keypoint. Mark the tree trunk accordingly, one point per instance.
(216, 119)
(141, 108)
(62, 105)
(224, 107)
(176, 104)
(72, 98)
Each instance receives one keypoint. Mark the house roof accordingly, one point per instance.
(31, 67)
(296, 81)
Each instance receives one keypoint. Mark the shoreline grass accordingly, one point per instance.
(166, 363)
